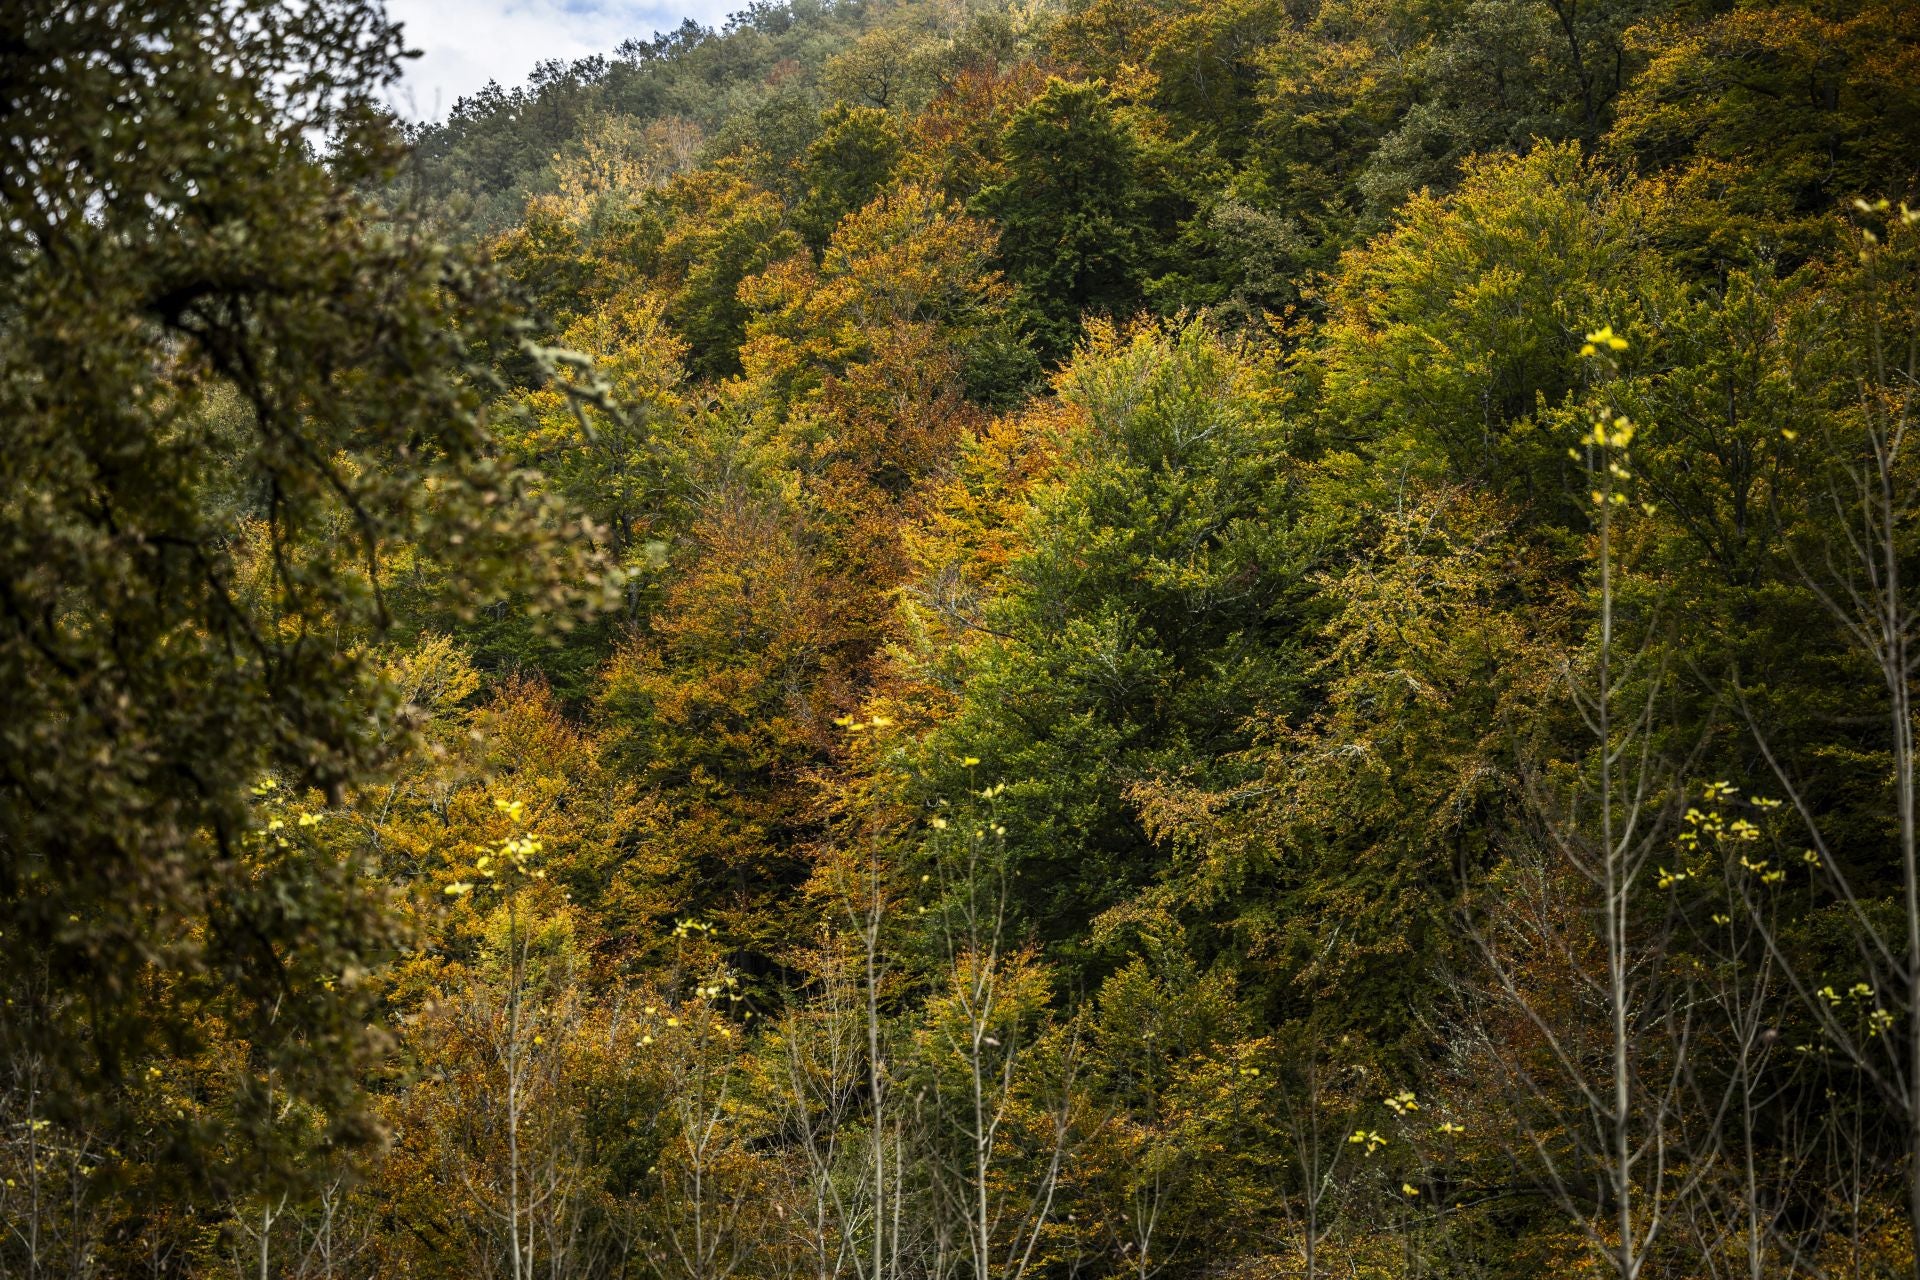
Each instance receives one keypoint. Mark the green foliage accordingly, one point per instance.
(1766, 119)
(852, 158)
(1139, 619)
(1068, 208)
(233, 392)
(1452, 333)
(1501, 76)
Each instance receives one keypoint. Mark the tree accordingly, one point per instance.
(1765, 119)
(1139, 619)
(1450, 333)
(1332, 849)
(853, 158)
(718, 228)
(1497, 78)
(1178, 1155)
(233, 390)
(615, 467)
(1859, 567)
(724, 702)
(1203, 58)
(1068, 212)
(996, 1129)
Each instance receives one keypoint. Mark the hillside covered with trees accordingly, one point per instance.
(964, 640)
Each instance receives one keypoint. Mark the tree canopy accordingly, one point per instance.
(909, 640)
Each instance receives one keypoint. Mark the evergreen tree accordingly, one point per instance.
(1143, 617)
(853, 157)
(1068, 209)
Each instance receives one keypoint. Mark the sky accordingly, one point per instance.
(465, 43)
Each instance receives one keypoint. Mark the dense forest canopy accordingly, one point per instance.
(935, 639)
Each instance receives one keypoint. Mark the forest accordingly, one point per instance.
(964, 640)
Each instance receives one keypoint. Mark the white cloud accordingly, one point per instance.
(465, 43)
